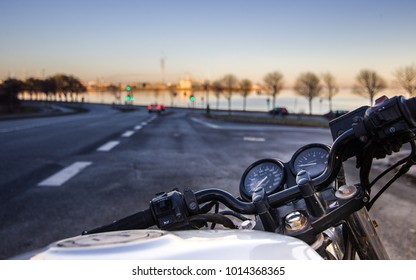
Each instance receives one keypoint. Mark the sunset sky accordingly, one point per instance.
(125, 40)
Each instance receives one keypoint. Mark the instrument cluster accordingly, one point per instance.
(274, 175)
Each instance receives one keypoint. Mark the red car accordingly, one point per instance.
(156, 108)
(281, 111)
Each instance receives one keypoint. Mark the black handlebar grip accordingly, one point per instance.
(140, 220)
(411, 107)
(388, 118)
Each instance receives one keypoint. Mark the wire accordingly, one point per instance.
(207, 207)
(411, 160)
(217, 208)
(386, 186)
(213, 218)
(400, 162)
(234, 214)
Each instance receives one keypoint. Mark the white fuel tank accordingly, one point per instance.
(178, 245)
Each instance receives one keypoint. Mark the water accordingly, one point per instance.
(344, 100)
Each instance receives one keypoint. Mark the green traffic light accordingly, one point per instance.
(129, 97)
(192, 98)
(128, 88)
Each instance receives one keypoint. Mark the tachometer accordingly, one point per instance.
(312, 158)
(266, 173)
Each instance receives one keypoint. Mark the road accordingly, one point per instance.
(62, 175)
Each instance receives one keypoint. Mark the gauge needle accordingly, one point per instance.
(307, 164)
(261, 182)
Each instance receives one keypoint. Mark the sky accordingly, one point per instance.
(117, 41)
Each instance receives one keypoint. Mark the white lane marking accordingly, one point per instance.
(254, 139)
(17, 128)
(5, 130)
(144, 123)
(137, 127)
(58, 179)
(205, 123)
(128, 133)
(108, 146)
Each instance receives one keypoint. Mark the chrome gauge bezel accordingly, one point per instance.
(245, 195)
(305, 149)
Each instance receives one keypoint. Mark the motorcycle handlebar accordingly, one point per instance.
(139, 220)
(386, 115)
(377, 120)
(227, 199)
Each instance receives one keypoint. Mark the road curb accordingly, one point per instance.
(268, 121)
(52, 110)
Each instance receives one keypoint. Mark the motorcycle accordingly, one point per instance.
(301, 209)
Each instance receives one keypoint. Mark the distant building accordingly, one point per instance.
(184, 85)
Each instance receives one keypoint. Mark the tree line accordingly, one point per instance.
(58, 87)
(368, 83)
(309, 85)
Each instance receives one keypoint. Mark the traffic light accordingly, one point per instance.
(192, 97)
(129, 97)
(128, 88)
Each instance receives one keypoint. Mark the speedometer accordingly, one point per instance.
(312, 158)
(268, 174)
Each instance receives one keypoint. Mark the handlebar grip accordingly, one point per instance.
(140, 220)
(411, 107)
(388, 118)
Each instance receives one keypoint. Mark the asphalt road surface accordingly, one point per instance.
(62, 175)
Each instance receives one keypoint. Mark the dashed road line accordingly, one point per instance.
(58, 179)
(128, 133)
(205, 123)
(254, 139)
(108, 146)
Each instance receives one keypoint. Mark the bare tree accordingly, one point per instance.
(274, 83)
(33, 86)
(230, 84)
(369, 83)
(206, 86)
(406, 77)
(9, 91)
(48, 87)
(245, 86)
(172, 92)
(218, 88)
(75, 87)
(331, 87)
(62, 85)
(115, 91)
(308, 85)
